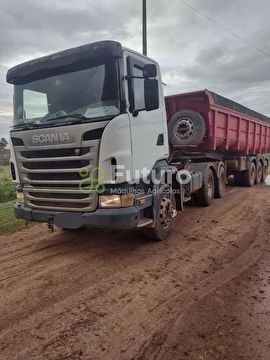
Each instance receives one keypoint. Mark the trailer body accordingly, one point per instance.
(231, 128)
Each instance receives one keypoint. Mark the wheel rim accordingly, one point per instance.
(252, 173)
(166, 212)
(259, 173)
(183, 128)
(222, 182)
(210, 187)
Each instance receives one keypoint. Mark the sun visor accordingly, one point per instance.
(61, 61)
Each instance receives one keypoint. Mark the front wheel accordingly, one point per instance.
(165, 214)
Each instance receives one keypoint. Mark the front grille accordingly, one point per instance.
(73, 164)
(58, 196)
(53, 153)
(51, 178)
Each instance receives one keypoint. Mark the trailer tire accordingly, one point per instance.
(249, 176)
(165, 216)
(265, 171)
(205, 194)
(221, 183)
(259, 173)
(186, 128)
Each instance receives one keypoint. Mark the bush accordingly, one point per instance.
(4, 157)
(7, 187)
(7, 190)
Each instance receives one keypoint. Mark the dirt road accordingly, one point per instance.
(204, 294)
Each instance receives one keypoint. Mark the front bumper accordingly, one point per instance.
(123, 218)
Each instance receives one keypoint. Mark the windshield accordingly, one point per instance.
(91, 92)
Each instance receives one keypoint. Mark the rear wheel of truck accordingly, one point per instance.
(205, 195)
(165, 214)
(221, 183)
(249, 176)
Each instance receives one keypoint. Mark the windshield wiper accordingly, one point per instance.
(75, 116)
(34, 124)
(25, 124)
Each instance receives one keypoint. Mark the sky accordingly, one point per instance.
(194, 53)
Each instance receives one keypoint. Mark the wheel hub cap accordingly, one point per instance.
(184, 128)
(167, 211)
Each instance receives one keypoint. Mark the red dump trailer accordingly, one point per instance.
(229, 127)
(219, 138)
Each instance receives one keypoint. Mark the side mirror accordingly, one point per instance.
(151, 90)
(150, 71)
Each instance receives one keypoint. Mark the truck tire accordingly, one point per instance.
(249, 176)
(186, 128)
(221, 183)
(205, 195)
(259, 173)
(265, 171)
(165, 214)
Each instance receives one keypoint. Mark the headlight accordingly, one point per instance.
(20, 197)
(116, 201)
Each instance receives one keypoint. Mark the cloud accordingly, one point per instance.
(193, 52)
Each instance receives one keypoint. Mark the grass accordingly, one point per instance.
(8, 222)
(4, 172)
(7, 187)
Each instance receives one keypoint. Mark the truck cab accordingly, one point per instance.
(89, 131)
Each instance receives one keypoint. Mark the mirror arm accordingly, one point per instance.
(128, 77)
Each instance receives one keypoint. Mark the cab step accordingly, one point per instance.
(144, 222)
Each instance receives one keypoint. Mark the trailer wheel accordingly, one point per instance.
(186, 128)
(165, 214)
(205, 195)
(265, 171)
(259, 173)
(221, 183)
(249, 176)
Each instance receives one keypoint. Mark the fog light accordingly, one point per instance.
(116, 201)
(20, 197)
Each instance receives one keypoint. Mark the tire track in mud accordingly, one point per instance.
(184, 299)
(166, 316)
(169, 313)
(104, 284)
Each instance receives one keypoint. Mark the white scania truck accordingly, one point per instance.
(89, 143)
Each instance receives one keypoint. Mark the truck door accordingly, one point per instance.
(149, 135)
